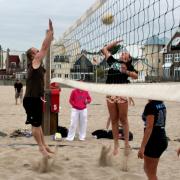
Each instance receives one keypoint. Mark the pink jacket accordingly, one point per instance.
(79, 99)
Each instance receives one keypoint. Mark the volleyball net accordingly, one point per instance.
(150, 30)
(153, 91)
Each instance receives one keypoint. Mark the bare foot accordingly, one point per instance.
(44, 152)
(49, 150)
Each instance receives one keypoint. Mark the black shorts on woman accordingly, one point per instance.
(157, 143)
(34, 109)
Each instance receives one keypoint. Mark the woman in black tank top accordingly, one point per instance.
(32, 101)
(35, 82)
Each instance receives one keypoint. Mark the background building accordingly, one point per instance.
(153, 58)
(171, 61)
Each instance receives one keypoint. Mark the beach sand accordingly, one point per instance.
(77, 160)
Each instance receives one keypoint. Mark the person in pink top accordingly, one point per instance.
(78, 100)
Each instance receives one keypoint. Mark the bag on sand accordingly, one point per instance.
(63, 131)
(101, 133)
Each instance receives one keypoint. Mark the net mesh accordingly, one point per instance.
(150, 30)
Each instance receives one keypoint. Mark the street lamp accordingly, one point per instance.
(95, 65)
(96, 73)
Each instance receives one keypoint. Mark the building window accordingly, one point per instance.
(177, 73)
(168, 58)
(59, 75)
(166, 72)
(66, 75)
(177, 57)
(77, 68)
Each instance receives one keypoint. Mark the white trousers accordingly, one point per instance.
(78, 117)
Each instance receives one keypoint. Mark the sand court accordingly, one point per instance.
(77, 160)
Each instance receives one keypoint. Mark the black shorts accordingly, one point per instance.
(157, 143)
(34, 110)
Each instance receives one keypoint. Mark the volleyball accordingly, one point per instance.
(107, 19)
(57, 136)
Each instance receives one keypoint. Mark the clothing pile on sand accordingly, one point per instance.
(101, 133)
(21, 133)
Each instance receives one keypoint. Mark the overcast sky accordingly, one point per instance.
(23, 22)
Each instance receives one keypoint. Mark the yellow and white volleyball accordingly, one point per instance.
(57, 136)
(107, 19)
